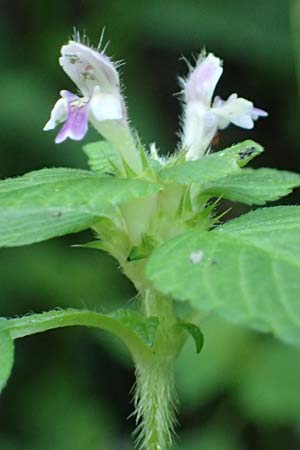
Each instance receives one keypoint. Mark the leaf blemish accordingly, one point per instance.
(246, 153)
(196, 257)
(56, 213)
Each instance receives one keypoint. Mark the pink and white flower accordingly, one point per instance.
(203, 116)
(100, 100)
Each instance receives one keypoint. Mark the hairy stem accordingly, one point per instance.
(155, 406)
(155, 396)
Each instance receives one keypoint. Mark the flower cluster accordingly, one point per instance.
(101, 101)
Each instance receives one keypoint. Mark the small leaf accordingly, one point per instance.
(144, 327)
(135, 254)
(148, 243)
(254, 187)
(101, 157)
(53, 202)
(195, 333)
(6, 357)
(249, 272)
(212, 166)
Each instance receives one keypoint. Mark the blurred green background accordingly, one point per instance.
(70, 388)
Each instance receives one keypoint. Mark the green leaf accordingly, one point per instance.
(148, 243)
(242, 153)
(144, 327)
(53, 202)
(101, 156)
(136, 331)
(254, 187)
(6, 356)
(249, 271)
(195, 333)
(212, 166)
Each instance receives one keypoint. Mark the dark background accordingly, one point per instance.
(70, 388)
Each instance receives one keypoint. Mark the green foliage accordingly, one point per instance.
(144, 327)
(254, 39)
(195, 333)
(254, 187)
(53, 202)
(6, 355)
(137, 331)
(249, 272)
(220, 174)
(213, 166)
(101, 157)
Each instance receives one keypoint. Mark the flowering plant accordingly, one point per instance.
(160, 218)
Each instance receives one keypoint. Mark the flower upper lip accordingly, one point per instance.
(203, 79)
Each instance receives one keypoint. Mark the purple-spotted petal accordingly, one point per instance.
(202, 81)
(89, 68)
(76, 124)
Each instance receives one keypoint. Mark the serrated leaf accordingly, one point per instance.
(144, 327)
(212, 166)
(249, 272)
(101, 156)
(195, 333)
(6, 357)
(254, 187)
(53, 202)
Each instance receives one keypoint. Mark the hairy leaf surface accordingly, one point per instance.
(254, 187)
(101, 156)
(53, 202)
(133, 328)
(212, 166)
(249, 272)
